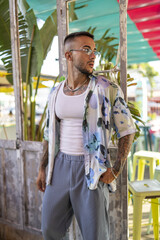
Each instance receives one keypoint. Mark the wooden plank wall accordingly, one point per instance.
(10, 201)
(20, 200)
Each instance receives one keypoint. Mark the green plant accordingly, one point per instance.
(147, 71)
(34, 46)
(104, 45)
(40, 130)
(115, 77)
(72, 12)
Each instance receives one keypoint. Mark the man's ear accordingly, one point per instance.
(68, 56)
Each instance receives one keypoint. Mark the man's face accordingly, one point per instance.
(81, 61)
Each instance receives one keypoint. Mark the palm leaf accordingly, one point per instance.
(49, 29)
(72, 13)
(5, 39)
(108, 51)
(34, 47)
(40, 44)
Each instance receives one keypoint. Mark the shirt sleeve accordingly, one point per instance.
(46, 128)
(123, 123)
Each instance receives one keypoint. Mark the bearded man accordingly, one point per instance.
(81, 112)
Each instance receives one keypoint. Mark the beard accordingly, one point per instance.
(83, 69)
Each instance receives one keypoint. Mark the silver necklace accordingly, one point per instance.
(76, 89)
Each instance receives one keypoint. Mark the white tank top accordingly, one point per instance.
(69, 109)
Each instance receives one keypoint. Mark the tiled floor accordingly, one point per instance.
(145, 220)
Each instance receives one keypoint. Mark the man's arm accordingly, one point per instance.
(124, 146)
(41, 179)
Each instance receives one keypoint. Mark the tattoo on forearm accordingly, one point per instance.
(44, 161)
(124, 146)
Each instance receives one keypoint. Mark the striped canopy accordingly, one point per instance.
(143, 23)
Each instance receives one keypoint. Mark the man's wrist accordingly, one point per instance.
(117, 168)
(113, 173)
(42, 167)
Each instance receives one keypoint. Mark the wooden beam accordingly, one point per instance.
(62, 26)
(17, 80)
(8, 144)
(123, 84)
(123, 45)
(16, 67)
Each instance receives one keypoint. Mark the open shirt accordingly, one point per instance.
(104, 109)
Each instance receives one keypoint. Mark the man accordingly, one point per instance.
(81, 112)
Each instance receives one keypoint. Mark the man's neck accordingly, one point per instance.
(76, 79)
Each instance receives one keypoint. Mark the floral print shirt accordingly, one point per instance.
(104, 109)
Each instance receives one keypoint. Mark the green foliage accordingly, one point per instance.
(115, 77)
(72, 13)
(5, 38)
(104, 46)
(108, 52)
(147, 71)
(34, 46)
(37, 47)
(40, 129)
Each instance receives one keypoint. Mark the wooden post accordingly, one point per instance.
(62, 26)
(123, 77)
(16, 67)
(17, 80)
(123, 45)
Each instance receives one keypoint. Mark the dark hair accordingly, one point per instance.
(71, 36)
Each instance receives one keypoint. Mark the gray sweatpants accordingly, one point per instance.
(68, 194)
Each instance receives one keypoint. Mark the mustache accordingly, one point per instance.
(90, 62)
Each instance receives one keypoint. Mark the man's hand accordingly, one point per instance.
(107, 177)
(41, 180)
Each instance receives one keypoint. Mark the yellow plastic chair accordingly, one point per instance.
(157, 177)
(142, 158)
(146, 189)
(157, 173)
